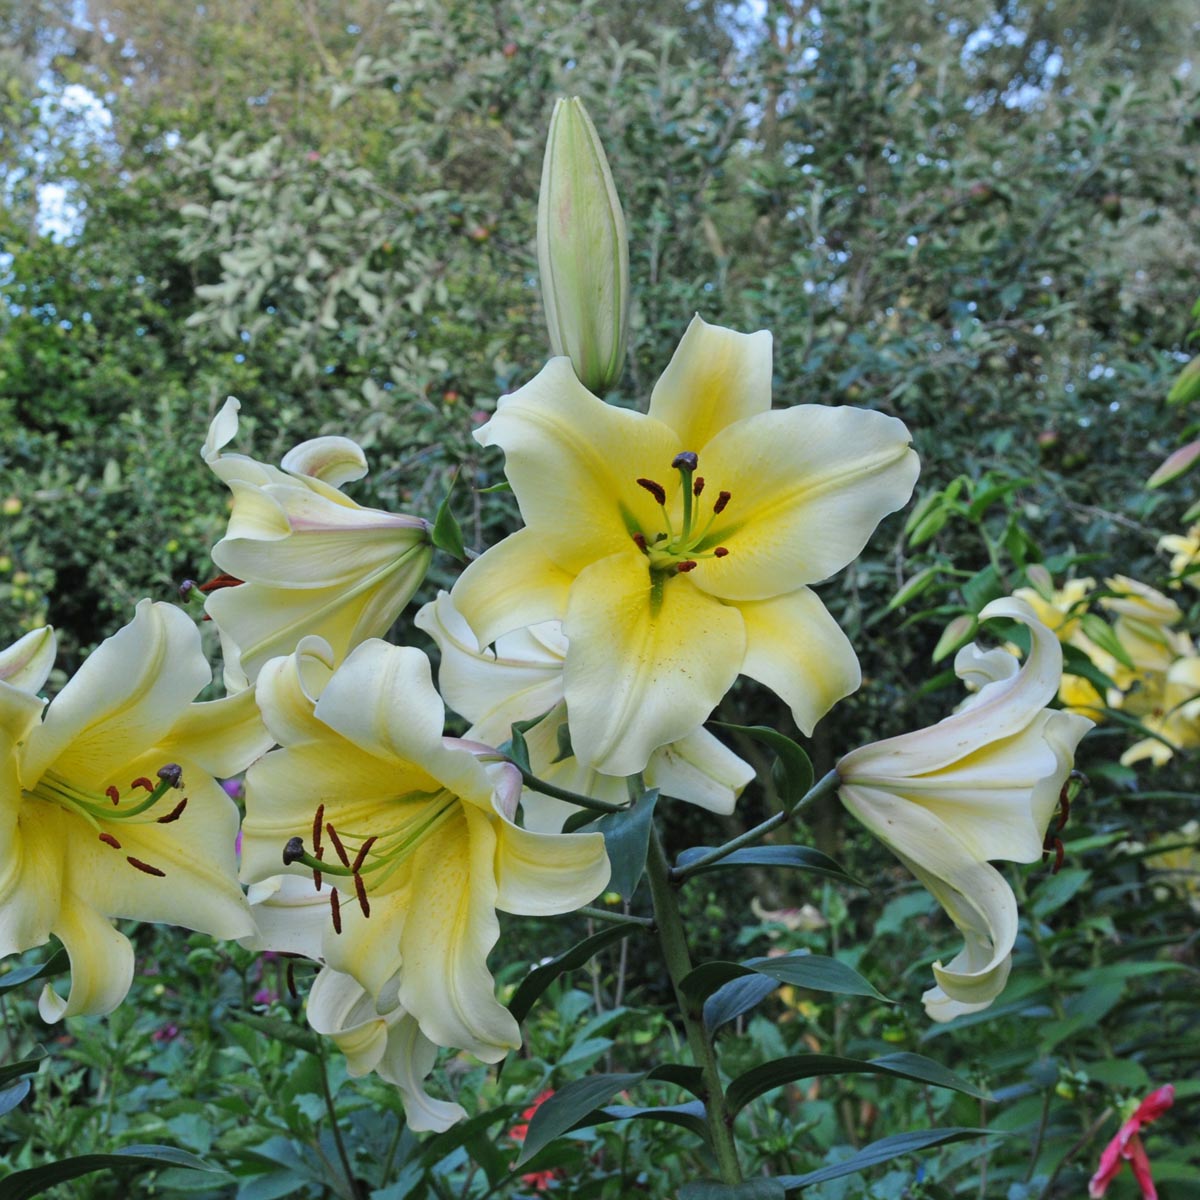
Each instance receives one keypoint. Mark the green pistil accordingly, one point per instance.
(93, 809)
(670, 553)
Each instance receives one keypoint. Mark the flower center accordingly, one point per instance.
(674, 551)
(106, 814)
(367, 859)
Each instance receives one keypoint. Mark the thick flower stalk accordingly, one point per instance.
(109, 804)
(412, 831)
(522, 679)
(305, 558)
(676, 547)
(980, 785)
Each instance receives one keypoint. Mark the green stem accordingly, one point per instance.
(824, 785)
(334, 1128)
(673, 938)
(614, 918)
(548, 789)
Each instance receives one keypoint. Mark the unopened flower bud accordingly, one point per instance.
(583, 251)
(1186, 388)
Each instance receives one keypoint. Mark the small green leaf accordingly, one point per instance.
(983, 587)
(563, 733)
(27, 1066)
(10, 1097)
(56, 963)
(446, 534)
(813, 971)
(1103, 634)
(541, 977)
(299, 1036)
(35, 1180)
(570, 1104)
(626, 837)
(792, 771)
(502, 486)
(881, 1151)
(913, 587)
(794, 858)
(736, 997)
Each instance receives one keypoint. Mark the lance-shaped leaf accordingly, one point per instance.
(795, 858)
(626, 836)
(20, 1185)
(792, 771)
(814, 971)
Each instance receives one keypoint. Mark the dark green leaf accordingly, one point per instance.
(983, 587)
(540, 978)
(446, 534)
(814, 971)
(752, 1189)
(736, 997)
(27, 1066)
(570, 1105)
(56, 963)
(689, 1116)
(11, 1096)
(435, 1149)
(35, 1180)
(765, 1078)
(626, 836)
(299, 1036)
(795, 858)
(792, 771)
(881, 1151)
(564, 743)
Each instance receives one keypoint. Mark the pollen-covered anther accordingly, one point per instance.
(360, 890)
(685, 460)
(175, 813)
(720, 552)
(335, 910)
(697, 485)
(655, 489)
(337, 844)
(363, 851)
(113, 795)
(109, 840)
(171, 774)
(145, 867)
(318, 822)
(688, 564)
(721, 501)
(142, 782)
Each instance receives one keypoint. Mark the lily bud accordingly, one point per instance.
(583, 250)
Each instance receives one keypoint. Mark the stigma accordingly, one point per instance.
(674, 551)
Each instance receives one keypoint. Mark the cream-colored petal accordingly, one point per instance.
(334, 460)
(517, 681)
(228, 467)
(699, 769)
(573, 462)
(715, 378)
(511, 586)
(338, 1007)
(645, 666)
(290, 915)
(27, 663)
(447, 936)
(101, 964)
(407, 1062)
(368, 948)
(796, 648)
(543, 874)
(807, 485)
(288, 687)
(125, 697)
(223, 737)
(31, 874)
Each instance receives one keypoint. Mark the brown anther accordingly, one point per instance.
(145, 868)
(175, 813)
(722, 500)
(171, 774)
(639, 540)
(293, 851)
(697, 485)
(1064, 806)
(318, 820)
(688, 564)
(363, 851)
(720, 552)
(220, 581)
(685, 460)
(1055, 844)
(291, 981)
(113, 794)
(316, 879)
(142, 782)
(360, 890)
(109, 840)
(337, 844)
(655, 489)
(335, 910)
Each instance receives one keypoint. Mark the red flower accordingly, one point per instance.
(535, 1179)
(1127, 1146)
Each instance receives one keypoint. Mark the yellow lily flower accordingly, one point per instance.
(980, 785)
(676, 547)
(1173, 715)
(108, 805)
(1185, 556)
(522, 678)
(413, 831)
(310, 559)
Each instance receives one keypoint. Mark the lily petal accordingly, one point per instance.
(222, 736)
(333, 460)
(700, 769)
(101, 964)
(542, 874)
(27, 663)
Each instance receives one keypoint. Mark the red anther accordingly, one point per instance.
(142, 782)
(113, 794)
(639, 540)
(688, 564)
(220, 581)
(360, 890)
(175, 813)
(291, 981)
(316, 879)
(1059, 855)
(1065, 805)
(337, 844)
(363, 851)
(697, 485)
(109, 840)
(655, 489)
(146, 868)
(722, 500)
(720, 552)
(335, 910)
(317, 821)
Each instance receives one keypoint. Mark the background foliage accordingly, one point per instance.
(980, 217)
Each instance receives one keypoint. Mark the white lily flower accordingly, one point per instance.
(109, 806)
(522, 678)
(980, 785)
(310, 560)
(414, 831)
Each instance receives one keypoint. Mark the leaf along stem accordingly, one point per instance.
(614, 918)
(824, 785)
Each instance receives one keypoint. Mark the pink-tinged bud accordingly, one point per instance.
(1175, 465)
(583, 250)
(1186, 388)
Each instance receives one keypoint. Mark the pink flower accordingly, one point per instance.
(1127, 1146)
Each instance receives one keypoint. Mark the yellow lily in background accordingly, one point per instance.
(108, 805)
(676, 547)
(522, 678)
(413, 831)
(980, 785)
(310, 559)
(1175, 714)
(1185, 556)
